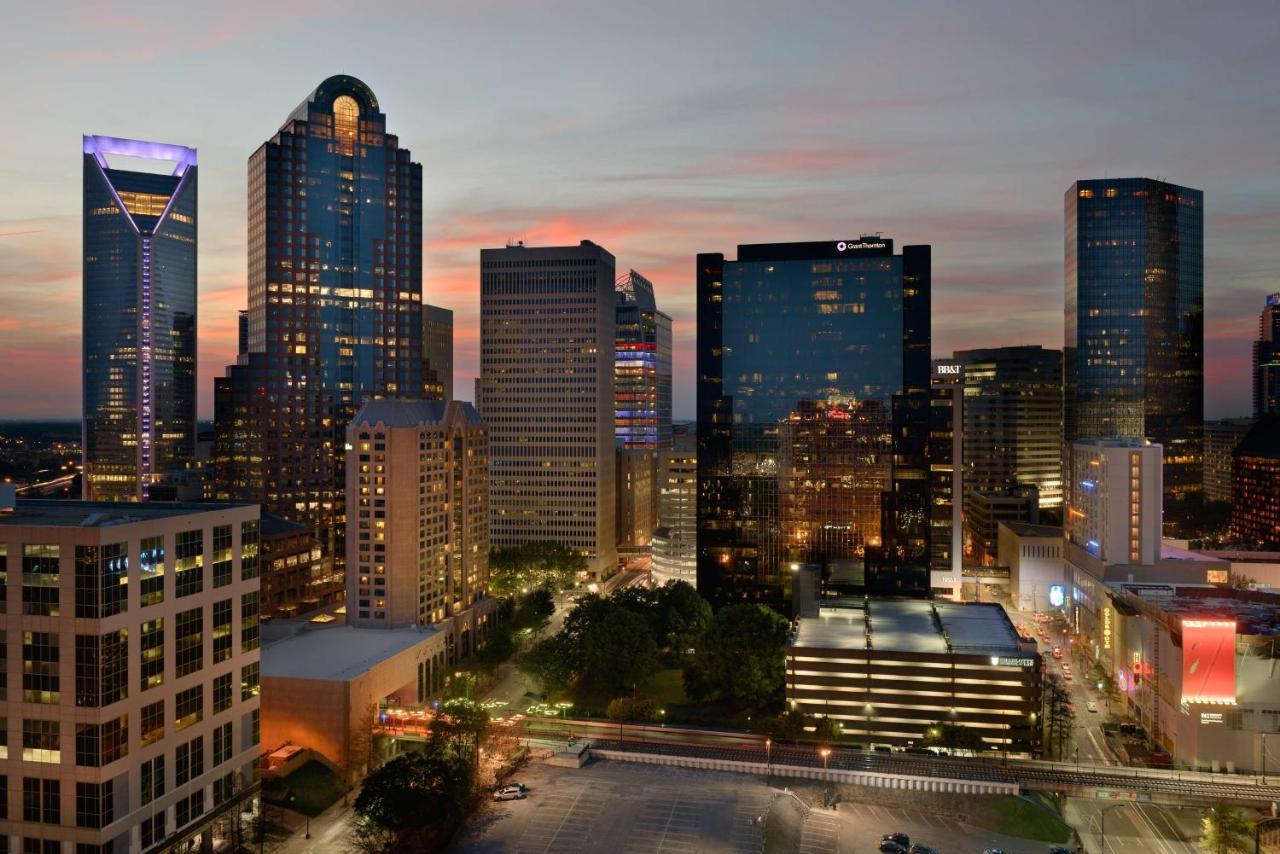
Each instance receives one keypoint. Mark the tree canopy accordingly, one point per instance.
(740, 658)
(416, 789)
(1225, 830)
(541, 564)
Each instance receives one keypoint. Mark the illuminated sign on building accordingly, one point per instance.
(860, 244)
(1211, 717)
(1001, 661)
(1057, 595)
(1217, 576)
(1106, 626)
(1209, 661)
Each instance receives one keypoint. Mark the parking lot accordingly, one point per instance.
(620, 808)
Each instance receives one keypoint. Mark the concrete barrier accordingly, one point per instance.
(835, 775)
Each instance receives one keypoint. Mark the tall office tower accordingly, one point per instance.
(946, 477)
(131, 720)
(139, 316)
(1134, 359)
(1012, 434)
(547, 321)
(414, 555)
(1220, 440)
(675, 540)
(1115, 504)
(335, 306)
(642, 407)
(437, 351)
(798, 342)
(1255, 486)
(642, 367)
(1266, 360)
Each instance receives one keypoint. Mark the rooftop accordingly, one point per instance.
(98, 514)
(337, 653)
(274, 526)
(1027, 529)
(409, 412)
(1255, 612)
(910, 625)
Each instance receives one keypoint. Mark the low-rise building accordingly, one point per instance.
(295, 579)
(889, 670)
(130, 679)
(1033, 553)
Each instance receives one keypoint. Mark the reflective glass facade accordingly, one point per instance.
(813, 416)
(1135, 320)
(139, 321)
(1266, 360)
(642, 367)
(335, 306)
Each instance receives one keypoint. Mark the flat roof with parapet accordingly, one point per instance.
(1030, 529)
(337, 653)
(97, 514)
(910, 625)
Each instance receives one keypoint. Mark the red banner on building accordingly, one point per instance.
(1209, 661)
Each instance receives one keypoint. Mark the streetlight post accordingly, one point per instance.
(768, 757)
(1102, 822)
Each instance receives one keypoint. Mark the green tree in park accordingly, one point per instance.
(1225, 830)
(540, 564)
(955, 736)
(619, 651)
(740, 657)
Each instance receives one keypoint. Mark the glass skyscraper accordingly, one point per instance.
(335, 306)
(139, 321)
(1134, 359)
(813, 416)
(642, 367)
(1266, 360)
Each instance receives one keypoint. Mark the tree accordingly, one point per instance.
(463, 724)
(416, 789)
(740, 659)
(550, 663)
(683, 617)
(642, 709)
(534, 565)
(619, 651)
(1059, 716)
(827, 730)
(955, 736)
(1225, 830)
(537, 608)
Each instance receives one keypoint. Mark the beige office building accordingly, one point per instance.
(418, 511)
(547, 324)
(129, 643)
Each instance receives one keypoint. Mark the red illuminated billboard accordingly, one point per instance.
(1209, 661)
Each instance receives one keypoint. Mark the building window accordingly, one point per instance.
(221, 630)
(93, 804)
(188, 642)
(4, 661)
(346, 124)
(248, 550)
(40, 580)
(152, 777)
(222, 744)
(222, 693)
(152, 648)
(152, 723)
(221, 555)
(188, 564)
(188, 761)
(248, 682)
(190, 808)
(102, 578)
(40, 668)
(40, 741)
(190, 708)
(151, 569)
(41, 801)
(102, 744)
(102, 668)
(249, 621)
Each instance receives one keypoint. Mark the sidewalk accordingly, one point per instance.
(328, 831)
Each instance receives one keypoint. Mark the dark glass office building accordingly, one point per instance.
(335, 306)
(1266, 360)
(1134, 358)
(813, 417)
(139, 321)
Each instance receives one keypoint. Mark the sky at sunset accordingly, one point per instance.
(660, 130)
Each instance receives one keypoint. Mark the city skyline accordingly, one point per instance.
(1007, 104)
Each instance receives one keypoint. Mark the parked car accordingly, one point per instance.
(921, 848)
(1058, 849)
(993, 851)
(890, 847)
(898, 838)
(509, 793)
(1091, 706)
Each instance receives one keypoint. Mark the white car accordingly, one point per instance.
(509, 793)
(1091, 706)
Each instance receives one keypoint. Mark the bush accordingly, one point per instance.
(641, 710)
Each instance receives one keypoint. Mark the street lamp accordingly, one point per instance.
(1102, 822)
(825, 753)
(768, 756)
